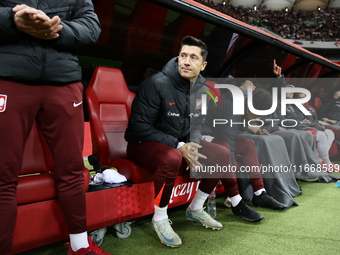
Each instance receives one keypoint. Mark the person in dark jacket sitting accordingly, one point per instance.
(39, 77)
(328, 124)
(227, 135)
(330, 110)
(324, 137)
(280, 185)
(331, 133)
(164, 135)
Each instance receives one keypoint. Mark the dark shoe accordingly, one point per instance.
(246, 213)
(264, 200)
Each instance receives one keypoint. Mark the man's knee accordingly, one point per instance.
(216, 152)
(330, 134)
(8, 190)
(223, 152)
(249, 144)
(170, 160)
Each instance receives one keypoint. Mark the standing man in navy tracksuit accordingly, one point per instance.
(161, 139)
(39, 81)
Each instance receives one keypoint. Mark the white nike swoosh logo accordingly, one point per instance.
(77, 104)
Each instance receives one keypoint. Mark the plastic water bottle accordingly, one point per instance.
(211, 204)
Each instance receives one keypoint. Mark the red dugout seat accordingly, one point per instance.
(317, 102)
(333, 151)
(109, 105)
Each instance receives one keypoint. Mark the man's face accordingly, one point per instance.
(248, 84)
(190, 62)
(289, 95)
(301, 95)
(337, 94)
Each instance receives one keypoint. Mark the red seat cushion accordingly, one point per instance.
(317, 103)
(35, 188)
(40, 187)
(333, 150)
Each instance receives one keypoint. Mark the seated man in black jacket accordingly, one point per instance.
(161, 138)
(330, 110)
(324, 137)
(273, 151)
(227, 135)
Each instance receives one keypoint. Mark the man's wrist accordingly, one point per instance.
(180, 144)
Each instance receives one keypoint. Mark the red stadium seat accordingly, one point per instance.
(109, 103)
(333, 151)
(317, 103)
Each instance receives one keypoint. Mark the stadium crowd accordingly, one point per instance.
(319, 25)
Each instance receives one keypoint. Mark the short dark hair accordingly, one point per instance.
(262, 99)
(192, 41)
(241, 82)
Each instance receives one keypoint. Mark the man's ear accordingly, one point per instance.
(204, 65)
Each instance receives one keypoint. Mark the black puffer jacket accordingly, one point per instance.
(23, 57)
(294, 113)
(164, 108)
(229, 131)
(330, 109)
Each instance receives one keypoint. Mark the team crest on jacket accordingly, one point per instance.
(198, 104)
(3, 101)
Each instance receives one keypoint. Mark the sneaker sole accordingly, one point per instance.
(170, 245)
(250, 220)
(274, 208)
(204, 225)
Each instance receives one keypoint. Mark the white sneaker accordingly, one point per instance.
(204, 218)
(165, 233)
